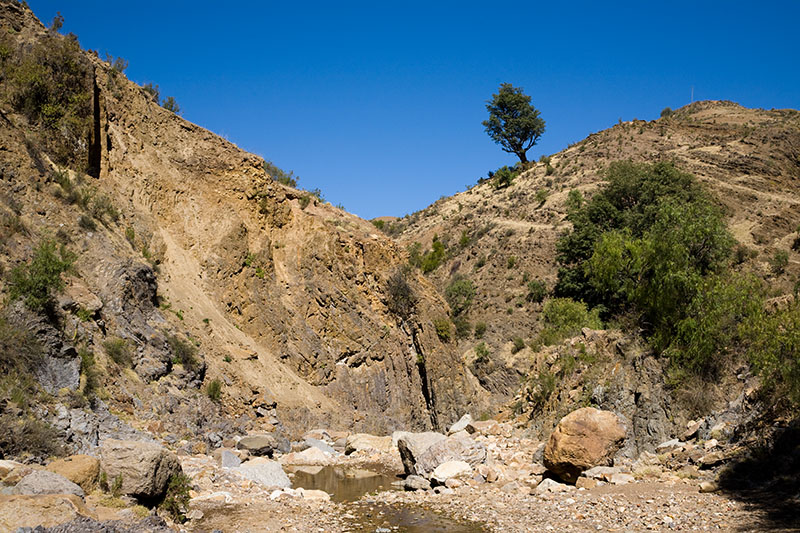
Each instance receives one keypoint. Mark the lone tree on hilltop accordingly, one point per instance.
(513, 122)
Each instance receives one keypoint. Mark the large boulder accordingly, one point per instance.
(265, 472)
(144, 467)
(363, 441)
(583, 439)
(258, 445)
(413, 445)
(45, 510)
(83, 470)
(44, 482)
(459, 447)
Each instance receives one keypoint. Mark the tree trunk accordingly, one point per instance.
(522, 157)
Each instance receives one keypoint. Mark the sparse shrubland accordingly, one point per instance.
(51, 84)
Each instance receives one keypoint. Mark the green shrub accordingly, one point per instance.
(434, 257)
(481, 353)
(564, 318)
(214, 390)
(183, 352)
(90, 373)
(779, 262)
(35, 282)
(379, 224)
(27, 435)
(463, 327)
(666, 112)
(503, 176)
(86, 222)
(442, 327)
(20, 352)
(130, 236)
(519, 344)
(177, 497)
(480, 330)
(116, 486)
(541, 387)
(170, 104)
(511, 261)
(549, 170)
(304, 200)
(541, 196)
(152, 90)
(119, 350)
(279, 175)
(574, 201)
(537, 290)
(459, 294)
(401, 299)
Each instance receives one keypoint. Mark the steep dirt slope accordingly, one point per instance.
(504, 238)
(286, 297)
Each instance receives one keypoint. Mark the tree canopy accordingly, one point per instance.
(513, 122)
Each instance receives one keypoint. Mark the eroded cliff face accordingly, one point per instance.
(285, 296)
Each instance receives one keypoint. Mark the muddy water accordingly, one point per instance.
(344, 485)
(349, 485)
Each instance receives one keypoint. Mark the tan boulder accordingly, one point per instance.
(83, 470)
(45, 510)
(144, 467)
(363, 441)
(583, 439)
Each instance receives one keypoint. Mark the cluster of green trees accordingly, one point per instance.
(653, 248)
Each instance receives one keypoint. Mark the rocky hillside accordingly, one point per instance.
(191, 267)
(504, 239)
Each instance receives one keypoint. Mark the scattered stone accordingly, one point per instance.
(602, 473)
(314, 495)
(316, 443)
(461, 425)
(309, 456)
(83, 470)
(621, 479)
(194, 514)
(46, 482)
(585, 483)
(228, 459)
(692, 427)
(712, 459)
(414, 482)
(45, 510)
(6, 467)
(551, 485)
(710, 444)
(584, 438)
(668, 445)
(143, 467)
(484, 427)
(708, 486)
(265, 472)
(363, 441)
(450, 469)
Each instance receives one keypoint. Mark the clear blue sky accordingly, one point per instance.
(380, 104)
